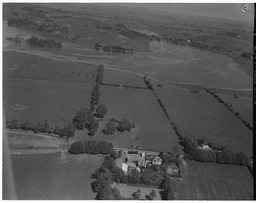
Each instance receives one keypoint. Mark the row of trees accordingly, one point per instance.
(151, 87)
(121, 126)
(220, 155)
(123, 85)
(41, 42)
(95, 97)
(229, 107)
(92, 147)
(66, 131)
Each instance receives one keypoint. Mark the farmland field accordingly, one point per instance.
(209, 181)
(18, 140)
(200, 116)
(153, 129)
(54, 176)
(56, 102)
(242, 104)
(28, 66)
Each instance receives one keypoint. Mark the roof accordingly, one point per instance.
(172, 165)
(135, 157)
(131, 164)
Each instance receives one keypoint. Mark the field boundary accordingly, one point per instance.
(126, 86)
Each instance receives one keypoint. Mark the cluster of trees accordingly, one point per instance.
(66, 131)
(115, 125)
(40, 42)
(104, 177)
(84, 119)
(230, 108)
(168, 189)
(92, 147)
(95, 97)
(218, 154)
(151, 87)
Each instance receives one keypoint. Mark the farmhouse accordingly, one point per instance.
(134, 159)
(204, 147)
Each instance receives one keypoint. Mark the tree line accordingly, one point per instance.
(229, 107)
(151, 87)
(41, 42)
(218, 154)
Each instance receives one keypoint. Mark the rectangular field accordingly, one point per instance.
(153, 131)
(54, 176)
(56, 102)
(201, 116)
(210, 181)
(28, 66)
(122, 77)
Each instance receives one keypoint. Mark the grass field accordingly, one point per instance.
(127, 191)
(209, 181)
(122, 77)
(242, 104)
(56, 102)
(202, 116)
(41, 68)
(153, 129)
(55, 176)
(18, 140)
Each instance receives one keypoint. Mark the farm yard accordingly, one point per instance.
(200, 116)
(52, 176)
(41, 100)
(210, 181)
(153, 129)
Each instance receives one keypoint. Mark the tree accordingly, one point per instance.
(152, 195)
(136, 195)
(81, 118)
(110, 128)
(77, 148)
(45, 127)
(134, 176)
(124, 125)
(101, 110)
(176, 150)
(168, 186)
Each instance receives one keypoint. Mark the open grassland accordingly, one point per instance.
(242, 104)
(54, 176)
(28, 66)
(209, 181)
(127, 191)
(22, 140)
(153, 131)
(200, 116)
(56, 102)
(122, 77)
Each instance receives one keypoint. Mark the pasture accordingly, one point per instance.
(201, 116)
(27, 66)
(153, 131)
(210, 181)
(22, 140)
(122, 77)
(56, 102)
(242, 104)
(54, 176)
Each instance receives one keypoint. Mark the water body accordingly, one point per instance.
(166, 62)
